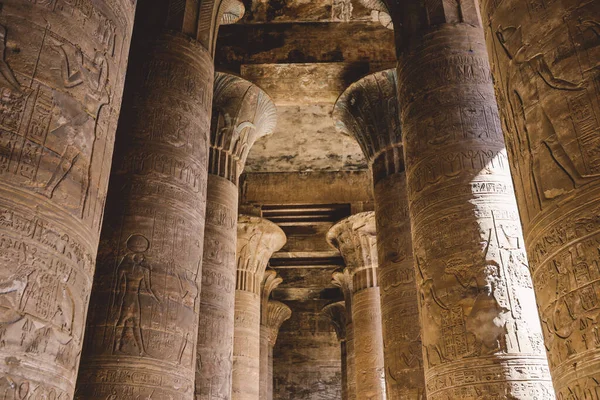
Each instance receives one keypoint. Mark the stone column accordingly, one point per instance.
(368, 111)
(61, 78)
(257, 240)
(481, 335)
(270, 281)
(142, 328)
(241, 114)
(354, 237)
(336, 314)
(276, 313)
(546, 64)
(343, 280)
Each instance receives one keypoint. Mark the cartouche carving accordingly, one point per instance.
(257, 240)
(62, 68)
(354, 237)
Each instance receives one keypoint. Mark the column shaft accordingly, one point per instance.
(399, 300)
(351, 362)
(264, 363)
(63, 67)
(142, 329)
(217, 297)
(546, 65)
(246, 346)
(368, 344)
(344, 362)
(270, 373)
(481, 335)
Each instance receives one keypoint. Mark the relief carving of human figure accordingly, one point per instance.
(76, 122)
(528, 73)
(133, 276)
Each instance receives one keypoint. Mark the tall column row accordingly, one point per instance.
(354, 237)
(241, 114)
(368, 111)
(257, 239)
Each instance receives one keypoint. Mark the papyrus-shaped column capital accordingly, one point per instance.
(355, 238)
(336, 314)
(276, 314)
(242, 113)
(368, 111)
(270, 281)
(258, 239)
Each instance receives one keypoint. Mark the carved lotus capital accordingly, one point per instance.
(257, 239)
(242, 113)
(368, 111)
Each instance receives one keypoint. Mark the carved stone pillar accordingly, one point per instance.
(546, 63)
(343, 280)
(241, 114)
(275, 313)
(336, 314)
(354, 237)
(368, 111)
(481, 335)
(270, 281)
(142, 327)
(257, 240)
(62, 68)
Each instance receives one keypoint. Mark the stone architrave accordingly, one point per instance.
(143, 320)
(480, 331)
(270, 281)
(336, 314)
(275, 313)
(545, 60)
(368, 111)
(355, 238)
(257, 240)
(241, 114)
(343, 280)
(62, 68)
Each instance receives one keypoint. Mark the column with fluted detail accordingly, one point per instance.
(368, 111)
(355, 238)
(274, 314)
(241, 114)
(480, 331)
(546, 65)
(343, 280)
(62, 69)
(142, 326)
(336, 314)
(257, 240)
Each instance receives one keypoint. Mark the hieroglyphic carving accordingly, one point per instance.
(358, 113)
(479, 323)
(257, 240)
(146, 294)
(61, 79)
(241, 114)
(546, 65)
(354, 237)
